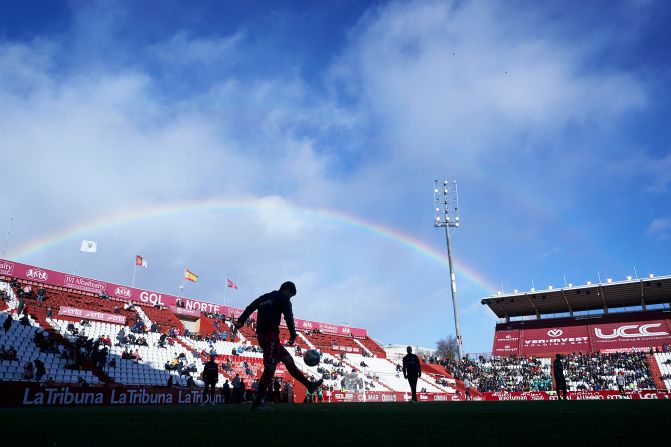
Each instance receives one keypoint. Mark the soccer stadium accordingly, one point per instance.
(70, 341)
(217, 223)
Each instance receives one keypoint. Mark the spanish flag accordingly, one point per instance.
(190, 276)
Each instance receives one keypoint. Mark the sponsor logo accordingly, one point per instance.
(631, 331)
(307, 324)
(557, 341)
(345, 330)
(508, 336)
(151, 297)
(388, 398)
(37, 274)
(439, 397)
(123, 292)
(6, 268)
(555, 333)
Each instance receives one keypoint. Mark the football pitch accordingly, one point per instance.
(618, 422)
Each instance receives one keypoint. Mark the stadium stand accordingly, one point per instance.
(596, 371)
(663, 360)
(503, 373)
(25, 342)
(333, 344)
(146, 344)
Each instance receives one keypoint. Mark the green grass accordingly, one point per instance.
(446, 424)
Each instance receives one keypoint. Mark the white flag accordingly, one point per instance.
(89, 246)
(144, 263)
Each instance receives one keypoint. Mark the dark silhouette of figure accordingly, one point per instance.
(271, 307)
(210, 378)
(412, 370)
(560, 380)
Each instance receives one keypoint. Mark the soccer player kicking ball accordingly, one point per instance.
(271, 307)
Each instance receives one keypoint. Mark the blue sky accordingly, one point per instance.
(552, 116)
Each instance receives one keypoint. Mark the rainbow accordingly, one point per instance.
(84, 229)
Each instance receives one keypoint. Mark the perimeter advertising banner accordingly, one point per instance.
(575, 395)
(58, 279)
(554, 339)
(634, 335)
(21, 394)
(16, 394)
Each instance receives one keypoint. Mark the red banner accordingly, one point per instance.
(16, 394)
(385, 396)
(58, 279)
(630, 335)
(506, 342)
(186, 312)
(91, 315)
(575, 395)
(554, 339)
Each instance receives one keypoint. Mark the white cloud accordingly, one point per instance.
(398, 108)
(467, 78)
(660, 228)
(651, 170)
(183, 49)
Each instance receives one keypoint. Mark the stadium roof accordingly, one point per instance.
(636, 292)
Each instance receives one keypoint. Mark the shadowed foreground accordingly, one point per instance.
(456, 423)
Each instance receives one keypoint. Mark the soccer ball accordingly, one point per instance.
(311, 357)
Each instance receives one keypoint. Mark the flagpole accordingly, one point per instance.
(9, 229)
(225, 293)
(77, 262)
(134, 270)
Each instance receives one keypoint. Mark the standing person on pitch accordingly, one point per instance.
(271, 307)
(412, 370)
(619, 379)
(467, 385)
(210, 378)
(560, 380)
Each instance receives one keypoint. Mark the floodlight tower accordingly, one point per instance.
(446, 205)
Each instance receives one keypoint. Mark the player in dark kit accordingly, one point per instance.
(412, 370)
(271, 307)
(560, 380)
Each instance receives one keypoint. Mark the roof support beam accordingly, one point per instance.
(603, 298)
(570, 309)
(538, 314)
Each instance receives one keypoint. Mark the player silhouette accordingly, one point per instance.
(271, 307)
(412, 370)
(560, 380)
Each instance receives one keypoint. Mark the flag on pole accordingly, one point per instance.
(231, 284)
(140, 261)
(89, 246)
(190, 276)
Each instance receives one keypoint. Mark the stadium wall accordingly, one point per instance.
(191, 306)
(639, 331)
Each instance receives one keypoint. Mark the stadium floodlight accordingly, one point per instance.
(550, 287)
(628, 277)
(446, 207)
(570, 284)
(589, 283)
(609, 280)
(651, 275)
